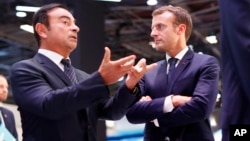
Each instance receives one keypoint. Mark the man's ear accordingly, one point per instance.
(41, 30)
(181, 29)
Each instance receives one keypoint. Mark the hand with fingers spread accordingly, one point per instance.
(111, 71)
(137, 72)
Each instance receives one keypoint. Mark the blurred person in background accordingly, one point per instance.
(235, 55)
(7, 119)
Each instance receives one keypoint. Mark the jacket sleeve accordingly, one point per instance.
(203, 99)
(147, 111)
(116, 106)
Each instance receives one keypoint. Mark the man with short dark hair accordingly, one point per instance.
(58, 102)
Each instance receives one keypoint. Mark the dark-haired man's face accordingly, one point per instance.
(62, 32)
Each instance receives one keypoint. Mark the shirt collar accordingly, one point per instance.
(180, 55)
(53, 56)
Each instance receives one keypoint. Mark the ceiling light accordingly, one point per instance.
(152, 2)
(27, 8)
(212, 39)
(21, 14)
(27, 28)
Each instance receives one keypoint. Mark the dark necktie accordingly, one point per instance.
(82, 114)
(171, 62)
(69, 71)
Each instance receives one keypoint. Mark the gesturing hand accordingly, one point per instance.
(137, 72)
(111, 71)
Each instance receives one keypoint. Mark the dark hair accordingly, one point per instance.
(41, 16)
(181, 17)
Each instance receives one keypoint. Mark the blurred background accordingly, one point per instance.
(122, 25)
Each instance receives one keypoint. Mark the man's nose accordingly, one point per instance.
(75, 28)
(153, 33)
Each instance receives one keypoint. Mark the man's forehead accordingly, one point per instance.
(2, 80)
(59, 12)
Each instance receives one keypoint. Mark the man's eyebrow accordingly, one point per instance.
(62, 17)
(67, 17)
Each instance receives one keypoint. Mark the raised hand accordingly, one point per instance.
(111, 71)
(137, 72)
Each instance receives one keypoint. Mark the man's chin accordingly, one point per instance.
(72, 48)
(157, 48)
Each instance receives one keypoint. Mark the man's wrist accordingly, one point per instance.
(136, 91)
(173, 100)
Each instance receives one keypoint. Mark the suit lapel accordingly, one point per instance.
(51, 66)
(184, 62)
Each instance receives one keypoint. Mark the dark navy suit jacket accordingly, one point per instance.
(49, 105)
(197, 76)
(235, 54)
(9, 121)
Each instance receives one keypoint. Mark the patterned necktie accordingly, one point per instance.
(69, 71)
(172, 62)
(82, 114)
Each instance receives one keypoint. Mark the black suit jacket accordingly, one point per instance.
(9, 121)
(196, 76)
(49, 106)
(235, 53)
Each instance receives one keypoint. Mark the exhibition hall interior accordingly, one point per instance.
(125, 30)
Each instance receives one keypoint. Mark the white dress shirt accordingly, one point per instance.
(53, 56)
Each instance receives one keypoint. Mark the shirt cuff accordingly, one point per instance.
(168, 105)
